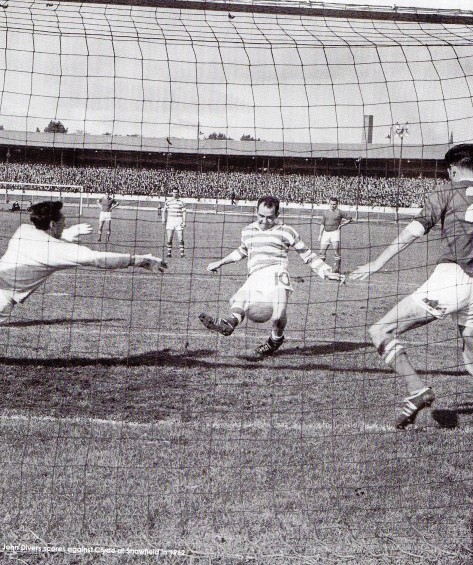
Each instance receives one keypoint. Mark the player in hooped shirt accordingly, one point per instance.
(332, 221)
(449, 290)
(266, 244)
(174, 220)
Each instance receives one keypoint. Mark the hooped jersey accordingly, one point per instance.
(173, 210)
(265, 248)
(452, 205)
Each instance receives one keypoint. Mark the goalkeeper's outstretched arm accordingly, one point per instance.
(80, 255)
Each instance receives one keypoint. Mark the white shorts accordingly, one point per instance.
(330, 237)
(261, 286)
(105, 216)
(172, 225)
(448, 290)
(6, 305)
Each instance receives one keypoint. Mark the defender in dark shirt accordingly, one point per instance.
(449, 290)
(332, 221)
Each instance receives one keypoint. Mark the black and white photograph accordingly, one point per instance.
(236, 282)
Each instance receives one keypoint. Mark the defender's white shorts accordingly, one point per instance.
(330, 237)
(448, 290)
(261, 286)
(6, 305)
(105, 216)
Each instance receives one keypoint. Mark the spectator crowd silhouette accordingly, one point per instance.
(297, 188)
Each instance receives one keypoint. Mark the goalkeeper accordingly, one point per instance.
(36, 251)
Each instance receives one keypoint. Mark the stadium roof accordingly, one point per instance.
(218, 147)
(307, 8)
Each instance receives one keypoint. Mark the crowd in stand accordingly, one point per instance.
(361, 190)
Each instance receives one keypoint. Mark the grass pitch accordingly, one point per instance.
(126, 425)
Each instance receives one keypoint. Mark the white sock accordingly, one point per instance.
(275, 337)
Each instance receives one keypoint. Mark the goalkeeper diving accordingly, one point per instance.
(265, 294)
(36, 251)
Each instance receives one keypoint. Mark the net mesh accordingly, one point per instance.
(130, 429)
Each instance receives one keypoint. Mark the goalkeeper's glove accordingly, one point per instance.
(149, 262)
(73, 233)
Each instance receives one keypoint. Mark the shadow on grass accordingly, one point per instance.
(212, 359)
(448, 418)
(59, 322)
(327, 348)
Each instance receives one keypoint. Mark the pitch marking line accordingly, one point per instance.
(114, 331)
(262, 425)
(133, 275)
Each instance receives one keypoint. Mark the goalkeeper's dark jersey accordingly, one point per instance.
(452, 205)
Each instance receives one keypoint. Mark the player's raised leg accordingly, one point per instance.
(406, 315)
(234, 318)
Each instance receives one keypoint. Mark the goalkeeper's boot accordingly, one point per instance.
(412, 405)
(269, 347)
(219, 325)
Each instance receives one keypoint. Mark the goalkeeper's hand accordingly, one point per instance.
(150, 262)
(73, 233)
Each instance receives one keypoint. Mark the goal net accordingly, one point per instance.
(21, 195)
(127, 424)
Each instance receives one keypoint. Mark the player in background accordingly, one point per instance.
(332, 221)
(107, 203)
(174, 220)
(266, 244)
(36, 251)
(449, 289)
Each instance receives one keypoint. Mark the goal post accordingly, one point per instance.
(26, 193)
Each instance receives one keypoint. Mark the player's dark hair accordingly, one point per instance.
(270, 202)
(460, 155)
(43, 213)
(333, 199)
